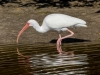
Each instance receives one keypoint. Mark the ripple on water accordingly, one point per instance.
(44, 60)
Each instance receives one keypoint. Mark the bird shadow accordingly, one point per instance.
(97, 11)
(70, 40)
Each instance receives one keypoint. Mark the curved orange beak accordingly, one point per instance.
(23, 29)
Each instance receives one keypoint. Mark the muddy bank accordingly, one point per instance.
(12, 19)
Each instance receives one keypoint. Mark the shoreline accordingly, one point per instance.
(13, 19)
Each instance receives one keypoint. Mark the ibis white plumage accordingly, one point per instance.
(58, 22)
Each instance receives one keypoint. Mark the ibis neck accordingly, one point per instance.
(39, 28)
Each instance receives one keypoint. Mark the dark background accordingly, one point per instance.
(54, 3)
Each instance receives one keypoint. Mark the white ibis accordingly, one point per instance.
(58, 22)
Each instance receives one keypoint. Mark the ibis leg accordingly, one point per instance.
(59, 44)
(60, 39)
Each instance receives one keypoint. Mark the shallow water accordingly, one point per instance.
(44, 60)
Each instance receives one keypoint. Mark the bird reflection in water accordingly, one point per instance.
(20, 54)
(46, 63)
(25, 63)
(68, 53)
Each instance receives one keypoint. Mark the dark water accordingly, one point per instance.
(44, 60)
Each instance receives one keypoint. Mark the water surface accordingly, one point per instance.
(45, 60)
